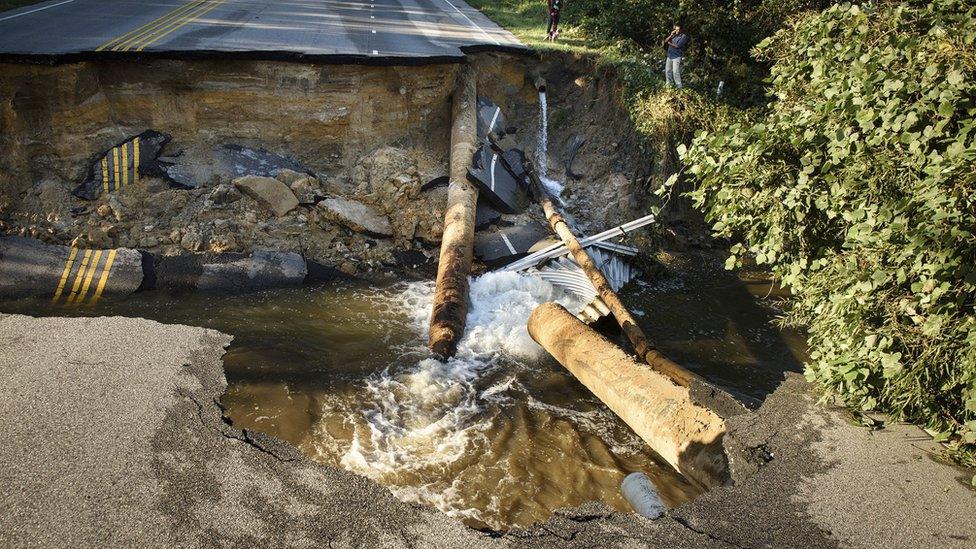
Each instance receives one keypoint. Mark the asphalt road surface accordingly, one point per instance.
(326, 30)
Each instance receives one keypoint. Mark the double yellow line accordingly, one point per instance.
(117, 176)
(86, 271)
(151, 32)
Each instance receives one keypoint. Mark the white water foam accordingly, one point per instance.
(553, 187)
(423, 416)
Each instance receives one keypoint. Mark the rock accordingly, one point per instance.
(118, 210)
(223, 243)
(305, 188)
(103, 210)
(99, 237)
(347, 267)
(357, 216)
(225, 194)
(269, 192)
(391, 180)
(163, 204)
(192, 239)
(149, 241)
(288, 176)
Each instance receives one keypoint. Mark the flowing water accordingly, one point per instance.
(554, 187)
(500, 435)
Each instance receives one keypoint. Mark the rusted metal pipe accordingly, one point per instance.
(539, 82)
(450, 308)
(664, 414)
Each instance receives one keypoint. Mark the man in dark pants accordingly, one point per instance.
(676, 43)
(553, 30)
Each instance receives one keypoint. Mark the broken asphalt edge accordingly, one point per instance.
(261, 55)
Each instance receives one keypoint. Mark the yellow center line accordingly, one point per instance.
(91, 273)
(115, 165)
(149, 34)
(64, 275)
(125, 38)
(105, 173)
(78, 277)
(105, 272)
(204, 9)
(125, 164)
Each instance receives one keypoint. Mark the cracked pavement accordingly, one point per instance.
(113, 436)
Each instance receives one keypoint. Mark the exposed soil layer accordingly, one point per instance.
(374, 135)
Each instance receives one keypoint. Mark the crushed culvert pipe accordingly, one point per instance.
(450, 307)
(66, 275)
(663, 413)
(628, 324)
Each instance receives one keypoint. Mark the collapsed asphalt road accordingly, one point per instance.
(113, 436)
(404, 31)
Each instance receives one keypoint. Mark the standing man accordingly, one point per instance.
(553, 30)
(676, 43)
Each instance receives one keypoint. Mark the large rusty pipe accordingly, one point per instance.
(663, 413)
(450, 308)
(539, 82)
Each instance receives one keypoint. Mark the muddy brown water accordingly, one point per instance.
(500, 436)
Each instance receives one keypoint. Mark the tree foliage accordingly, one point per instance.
(858, 188)
(722, 33)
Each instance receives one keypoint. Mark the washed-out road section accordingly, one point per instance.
(333, 31)
(111, 435)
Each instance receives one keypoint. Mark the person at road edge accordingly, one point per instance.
(676, 42)
(552, 32)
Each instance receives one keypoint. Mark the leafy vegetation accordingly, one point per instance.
(858, 188)
(625, 39)
(855, 184)
(11, 4)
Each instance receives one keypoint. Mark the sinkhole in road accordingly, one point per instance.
(501, 435)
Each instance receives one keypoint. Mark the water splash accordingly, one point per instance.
(487, 435)
(428, 419)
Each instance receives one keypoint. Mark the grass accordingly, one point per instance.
(527, 20)
(11, 4)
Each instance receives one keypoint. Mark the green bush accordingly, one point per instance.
(858, 188)
(722, 34)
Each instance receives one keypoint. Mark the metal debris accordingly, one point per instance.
(559, 249)
(565, 273)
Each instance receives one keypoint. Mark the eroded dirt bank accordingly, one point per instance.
(377, 136)
(151, 462)
(372, 133)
